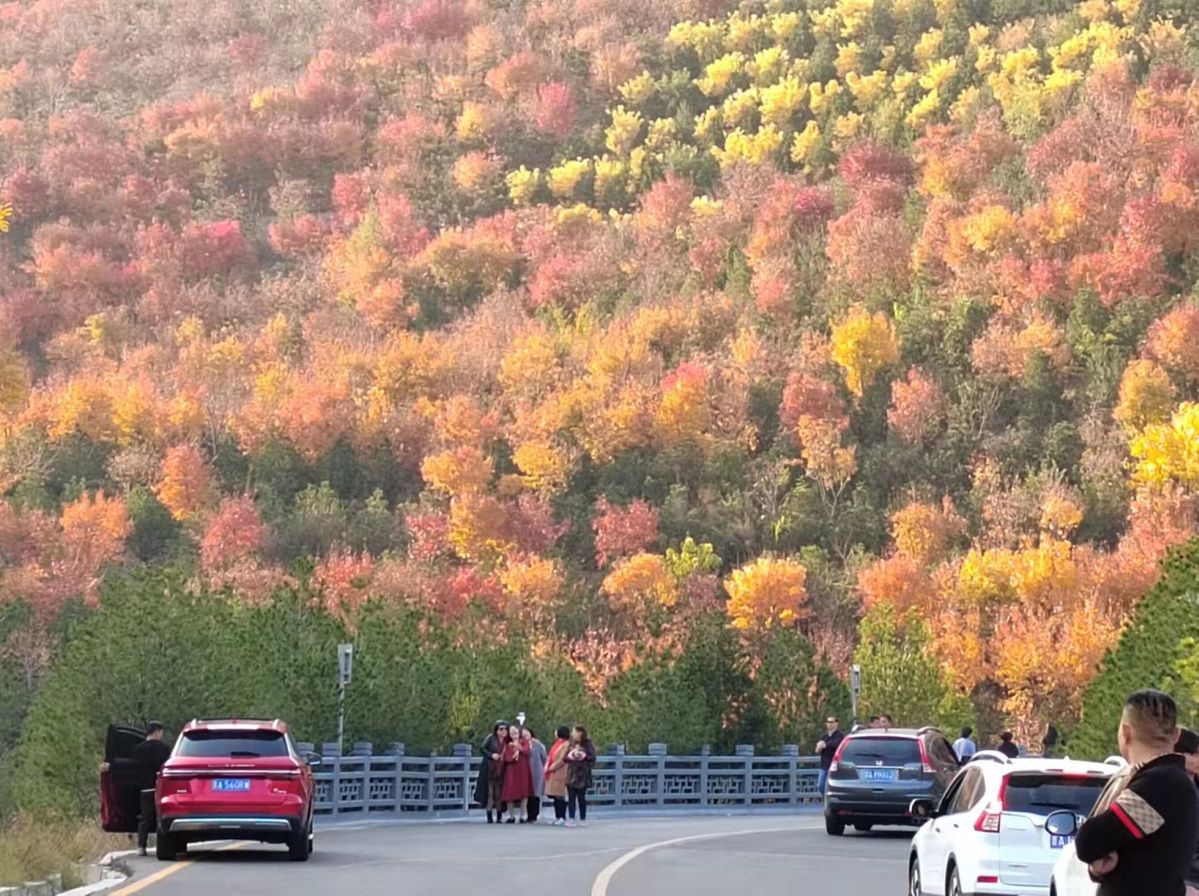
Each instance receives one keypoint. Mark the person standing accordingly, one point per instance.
(580, 758)
(1007, 746)
(537, 760)
(1144, 841)
(964, 746)
(555, 774)
(150, 755)
(490, 783)
(518, 780)
(1050, 740)
(1187, 746)
(827, 748)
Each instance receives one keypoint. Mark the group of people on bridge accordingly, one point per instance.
(518, 773)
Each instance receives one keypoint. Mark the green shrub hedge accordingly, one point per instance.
(1152, 652)
(156, 649)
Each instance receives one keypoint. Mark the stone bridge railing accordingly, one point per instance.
(393, 781)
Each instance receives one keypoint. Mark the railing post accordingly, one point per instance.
(704, 752)
(397, 750)
(333, 751)
(618, 775)
(431, 790)
(463, 752)
(791, 751)
(659, 751)
(746, 752)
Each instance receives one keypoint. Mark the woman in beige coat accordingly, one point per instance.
(555, 774)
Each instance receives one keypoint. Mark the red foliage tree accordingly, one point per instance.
(234, 532)
(623, 531)
(554, 111)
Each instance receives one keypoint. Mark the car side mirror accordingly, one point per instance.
(1062, 824)
(313, 760)
(922, 810)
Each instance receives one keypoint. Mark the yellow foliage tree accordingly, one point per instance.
(479, 527)
(924, 532)
(185, 482)
(767, 593)
(1046, 575)
(532, 584)
(544, 467)
(863, 345)
(14, 380)
(684, 412)
(1146, 396)
(462, 471)
(827, 462)
(640, 579)
(1169, 452)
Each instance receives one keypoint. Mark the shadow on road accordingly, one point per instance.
(255, 855)
(890, 834)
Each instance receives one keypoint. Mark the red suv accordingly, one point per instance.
(231, 779)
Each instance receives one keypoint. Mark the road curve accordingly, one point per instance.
(613, 856)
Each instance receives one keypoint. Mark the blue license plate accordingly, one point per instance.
(1060, 841)
(231, 785)
(878, 774)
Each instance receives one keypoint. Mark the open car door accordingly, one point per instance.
(119, 791)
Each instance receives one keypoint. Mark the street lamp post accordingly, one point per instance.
(855, 688)
(345, 672)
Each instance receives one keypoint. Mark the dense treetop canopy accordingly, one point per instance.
(601, 318)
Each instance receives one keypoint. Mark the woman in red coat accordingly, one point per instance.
(518, 776)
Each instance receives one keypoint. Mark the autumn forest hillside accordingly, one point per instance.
(831, 331)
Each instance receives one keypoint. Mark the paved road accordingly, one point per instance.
(699, 856)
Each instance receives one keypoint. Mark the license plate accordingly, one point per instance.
(878, 774)
(1060, 841)
(231, 785)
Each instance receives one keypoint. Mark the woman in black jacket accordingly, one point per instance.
(490, 783)
(580, 757)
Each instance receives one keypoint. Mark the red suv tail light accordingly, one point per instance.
(174, 785)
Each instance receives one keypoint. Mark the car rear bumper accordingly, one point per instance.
(872, 808)
(246, 827)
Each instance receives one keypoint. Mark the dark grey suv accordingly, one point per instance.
(879, 771)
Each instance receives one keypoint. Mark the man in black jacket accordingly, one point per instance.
(827, 749)
(1143, 842)
(150, 755)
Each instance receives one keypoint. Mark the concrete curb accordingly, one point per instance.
(108, 873)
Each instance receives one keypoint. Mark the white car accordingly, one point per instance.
(987, 835)
(1070, 875)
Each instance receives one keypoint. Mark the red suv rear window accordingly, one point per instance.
(215, 743)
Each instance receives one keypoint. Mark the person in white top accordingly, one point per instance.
(964, 746)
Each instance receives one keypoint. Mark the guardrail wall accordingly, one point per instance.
(364, 782)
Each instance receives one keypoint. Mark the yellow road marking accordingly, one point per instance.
(152, 879)
(138, 886)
